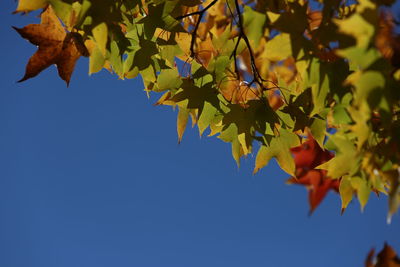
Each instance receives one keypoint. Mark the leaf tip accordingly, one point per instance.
(291, 180)
(310, 212)
(19, 31)
(342, 211)
(238, 164)
(255, 171)
(23, 79)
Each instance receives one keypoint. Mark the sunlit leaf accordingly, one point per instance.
(29, 5)
(279, 147)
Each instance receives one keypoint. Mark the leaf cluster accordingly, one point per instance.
(264, 76)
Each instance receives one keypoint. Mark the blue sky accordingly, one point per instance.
(92, 175)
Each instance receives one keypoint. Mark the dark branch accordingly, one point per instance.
(242, 35)
(234, 55)
(234, 52)
(200, 13)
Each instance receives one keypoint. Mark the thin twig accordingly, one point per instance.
(200, 13)
(242, 35)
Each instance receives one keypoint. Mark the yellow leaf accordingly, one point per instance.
(343, 163)
(30, 5)
(96, 61)
(273, 16)
(357, 27)
(346, 191)
(279, 48)
(183, 116)
(363, 190)
(100, 34)
(242, 141)
(279, 148)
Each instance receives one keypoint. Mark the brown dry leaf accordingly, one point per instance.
(55, 46)
(386, 258)
(386, 41)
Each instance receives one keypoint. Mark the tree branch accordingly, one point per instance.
(200, 13)
(242, 35)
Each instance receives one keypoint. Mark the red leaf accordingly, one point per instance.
(307, 157)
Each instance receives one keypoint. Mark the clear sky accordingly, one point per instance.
(92, 175)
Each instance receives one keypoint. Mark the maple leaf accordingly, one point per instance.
(238, 68)
(307, 157)
(386, 258)
(55, 46)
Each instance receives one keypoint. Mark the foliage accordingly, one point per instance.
(268, 77)
(386, 258)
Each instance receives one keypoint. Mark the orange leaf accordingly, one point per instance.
(314, 20)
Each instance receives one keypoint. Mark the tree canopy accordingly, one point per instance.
(313, 84)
